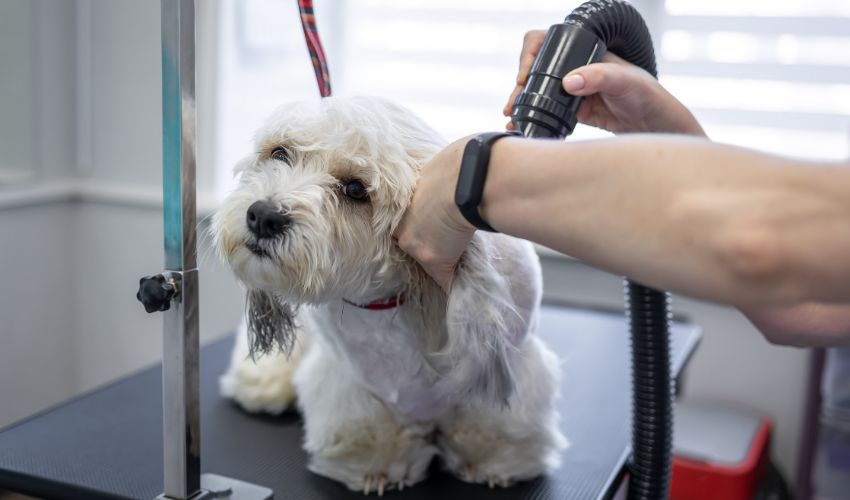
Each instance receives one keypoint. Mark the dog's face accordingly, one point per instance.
(313, 214)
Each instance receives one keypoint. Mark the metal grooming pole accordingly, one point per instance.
(177, 286)
(181, 405)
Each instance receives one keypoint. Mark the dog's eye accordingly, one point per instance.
(280, 154)
(355, 190)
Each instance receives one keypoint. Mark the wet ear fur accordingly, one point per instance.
(271, 323)
(482, 326)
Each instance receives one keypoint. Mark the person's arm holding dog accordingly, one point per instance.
(707, 220)
(666, 230)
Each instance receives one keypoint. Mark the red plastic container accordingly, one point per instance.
(719, 452)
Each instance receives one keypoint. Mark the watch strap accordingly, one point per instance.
(472, 176)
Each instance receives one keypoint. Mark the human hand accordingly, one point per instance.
(619, 97)
(432, 229)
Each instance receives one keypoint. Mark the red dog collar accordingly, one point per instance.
(379, 305)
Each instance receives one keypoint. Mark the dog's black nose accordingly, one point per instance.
(266, 221)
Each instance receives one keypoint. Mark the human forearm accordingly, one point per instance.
(809, 324)
(686, 215)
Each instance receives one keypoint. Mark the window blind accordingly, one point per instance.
(771, 75)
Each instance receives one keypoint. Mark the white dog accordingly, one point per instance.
(386, 369)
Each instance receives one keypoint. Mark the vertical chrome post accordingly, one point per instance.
(175, 291)
(181, 410)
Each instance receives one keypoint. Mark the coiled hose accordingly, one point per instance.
(620, 27)
(544, 109)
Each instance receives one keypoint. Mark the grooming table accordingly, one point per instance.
(107, 443)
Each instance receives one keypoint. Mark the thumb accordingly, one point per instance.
(610, 79)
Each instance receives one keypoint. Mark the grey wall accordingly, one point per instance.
(36, 318)
(15, 87)
(77, 235)
(125, 87)
(123, 237)
(75, 239)
(36, 245)
(113, 333)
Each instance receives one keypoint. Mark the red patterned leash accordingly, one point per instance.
(314, 46)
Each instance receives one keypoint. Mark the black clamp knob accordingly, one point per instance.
(155, 292)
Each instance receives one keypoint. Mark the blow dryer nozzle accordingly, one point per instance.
(544, 109)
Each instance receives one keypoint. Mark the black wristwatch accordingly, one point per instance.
(473, 174)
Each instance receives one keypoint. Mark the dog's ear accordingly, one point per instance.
(483, 324)
(270, 323)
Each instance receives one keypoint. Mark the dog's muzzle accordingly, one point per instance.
(266, 222)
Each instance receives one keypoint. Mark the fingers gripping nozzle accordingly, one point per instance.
(156, 292)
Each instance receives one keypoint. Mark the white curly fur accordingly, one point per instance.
(383, 392)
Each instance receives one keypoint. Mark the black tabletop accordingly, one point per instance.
(107, 444)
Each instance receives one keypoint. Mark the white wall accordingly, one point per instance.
(70, 263)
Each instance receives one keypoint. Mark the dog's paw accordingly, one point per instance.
(471, 474)
(471, 454)
(264, 385)
(395, 477)
(374, 460)
(486, 456)
(381, 482)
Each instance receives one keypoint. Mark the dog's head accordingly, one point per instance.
(312, 217)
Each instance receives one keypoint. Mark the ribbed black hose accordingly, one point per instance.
(652, 401)
(544, 109)
(620, 27)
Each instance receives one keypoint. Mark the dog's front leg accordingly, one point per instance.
(481, 443)
(491, 310)
(264, 383)
(351, 435)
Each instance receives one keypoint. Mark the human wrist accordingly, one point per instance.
(500, 158)
(671, 116)
(473, 177)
